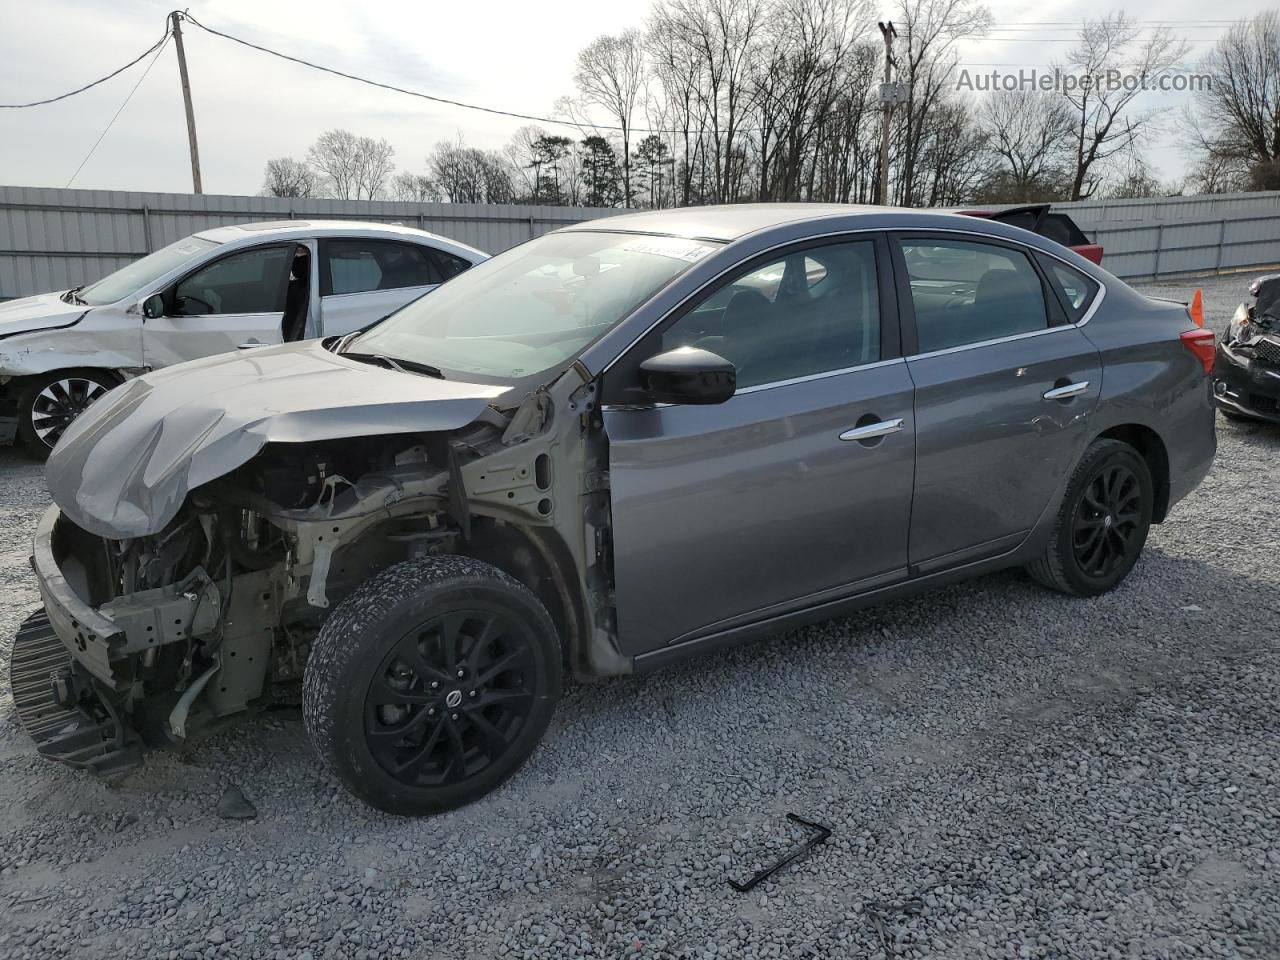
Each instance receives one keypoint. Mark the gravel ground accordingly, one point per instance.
(1009, 773)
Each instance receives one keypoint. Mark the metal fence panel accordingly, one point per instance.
(51, 239)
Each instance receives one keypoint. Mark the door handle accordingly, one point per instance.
(250, 345)
(1067, 392)
(873, 430)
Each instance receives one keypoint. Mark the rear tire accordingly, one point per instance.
(1102, 523)
(52, 400)
(431, 684)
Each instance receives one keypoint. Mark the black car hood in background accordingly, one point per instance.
(125, 466)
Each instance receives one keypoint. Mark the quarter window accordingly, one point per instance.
(1077, 289)
(964, 292)
(811, 312)
(358, 266)
(252, 281)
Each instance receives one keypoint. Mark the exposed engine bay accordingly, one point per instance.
(177, 630)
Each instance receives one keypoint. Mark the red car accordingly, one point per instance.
(1056, 226)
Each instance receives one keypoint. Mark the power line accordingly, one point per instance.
(87, 86)
(163, 42)
(411, 93)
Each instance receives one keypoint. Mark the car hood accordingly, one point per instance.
(28, 314)
(124, 467)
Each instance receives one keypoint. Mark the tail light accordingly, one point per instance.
(1195, 309)
(1200, 342)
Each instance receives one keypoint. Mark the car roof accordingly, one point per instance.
(732, 221)
(296, 229)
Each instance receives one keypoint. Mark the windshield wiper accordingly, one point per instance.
(71, 296)
(396, 363)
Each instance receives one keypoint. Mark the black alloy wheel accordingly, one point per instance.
(1107, 520)
(1102, 523)
(450, 697)
(431, 684)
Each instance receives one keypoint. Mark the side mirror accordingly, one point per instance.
(153, 307)
(688, 375)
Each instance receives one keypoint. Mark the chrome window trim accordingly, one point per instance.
(977, 237)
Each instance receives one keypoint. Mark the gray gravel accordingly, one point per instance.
(1009, 773)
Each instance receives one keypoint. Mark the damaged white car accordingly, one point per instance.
(243, 286)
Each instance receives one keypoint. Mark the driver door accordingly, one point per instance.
(795, 491)
(234, 301)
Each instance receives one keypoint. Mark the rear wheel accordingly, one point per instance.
(52, 400)
(1102, 524)
(431, 684)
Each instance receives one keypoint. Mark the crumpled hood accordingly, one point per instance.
(37, 313)
(124, 467)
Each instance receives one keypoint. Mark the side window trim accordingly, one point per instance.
(626, 365)
(1056, 317)
(170, 292)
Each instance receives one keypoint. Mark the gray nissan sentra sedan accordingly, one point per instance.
(614, 446)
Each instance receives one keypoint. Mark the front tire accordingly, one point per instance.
(52, 400)
(432, 684)
(1102, 524)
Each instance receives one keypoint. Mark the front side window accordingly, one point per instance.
(534, 306)
(358, 266)
(807, 313)
(138, 276)
(967, 292)
(251, 281)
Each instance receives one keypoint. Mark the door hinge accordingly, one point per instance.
(595, 482)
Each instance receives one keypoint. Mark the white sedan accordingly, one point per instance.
(223, 289)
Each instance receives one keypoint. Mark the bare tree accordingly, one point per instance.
(930, 30)
(610, 75)
(352, 168)
(287, 177)
(1237, 117)
(414, 187)
(335, 156)
(468, 175)
(1029, 132)
(1104, 121)
(374, 166)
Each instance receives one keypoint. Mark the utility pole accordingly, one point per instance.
(175, 19)
(887, 99)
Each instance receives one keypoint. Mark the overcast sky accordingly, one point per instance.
(251, 107)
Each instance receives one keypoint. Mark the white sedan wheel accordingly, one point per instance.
(59, 403)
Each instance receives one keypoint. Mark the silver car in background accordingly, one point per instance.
(615, 446)
(249, 285)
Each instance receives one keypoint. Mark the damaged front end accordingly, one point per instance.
(156, 639)
(1246, 372)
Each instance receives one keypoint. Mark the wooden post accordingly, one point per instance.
(176, 19)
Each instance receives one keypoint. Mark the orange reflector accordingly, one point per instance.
(1196, 308)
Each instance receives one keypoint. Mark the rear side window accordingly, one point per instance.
(966, 292)
(1075, 289)
(358, 266)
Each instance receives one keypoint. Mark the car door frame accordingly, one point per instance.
(1058, 320)
(169, 292)
(626, 364)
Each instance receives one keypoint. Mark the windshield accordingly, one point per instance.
(533, 307)
(142, 273)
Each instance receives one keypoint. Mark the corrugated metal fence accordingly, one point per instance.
(1174, 235)
(54, 239)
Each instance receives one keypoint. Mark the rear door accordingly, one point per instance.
(1004, 388)
(235, 300)
(796, 488)
(362, 280)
